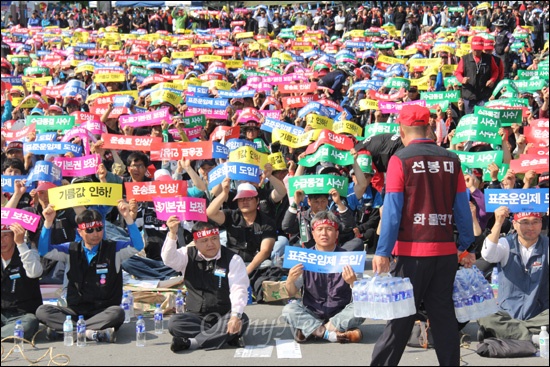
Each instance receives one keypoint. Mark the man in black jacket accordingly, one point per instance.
(21, 269)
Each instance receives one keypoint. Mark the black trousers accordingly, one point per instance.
(432, 279)
(210, 331)
(54, 317)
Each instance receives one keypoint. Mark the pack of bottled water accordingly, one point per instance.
(473, 296)
(383, 298)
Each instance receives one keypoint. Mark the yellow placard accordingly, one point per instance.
(390, 60)
(357, 33)
(210, 58)
(133, 93)
(408, 52)
(420, 81)
(74, 63)
(299, 28)
(465, 47)
(218, 84)
(188, 82)
(318, 121)
(293, 141)
(166, 96)
(347, 127)
(254, 46)
(183, 55)
(424, 62)
(185, 43)
(82, 68)
(30, 103)
(114, 47)
(167, 85)
(443, 48)
(448, 69)
(249, 155)
(479, 28)
(244, 35)
(302, 48)
(233, 64)
(70, 196)
(368, 104)
(277, 161)
(109, 78)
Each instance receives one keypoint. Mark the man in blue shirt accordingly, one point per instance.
(94, 274)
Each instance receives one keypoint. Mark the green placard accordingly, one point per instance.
(480, 159)
(443, 104)
(133, 62)
(260, 146)
(365, 162)
(327, 153)
(192, 121)
(530, 85)
(459, 9)
(141, 71)
(318, 184)
(34, 70)
(51, 123)
(510, 102)
(451, 80)
(397, 83)
(451, 96)
(528, 74)
(505, 117)
(501, 172)
(380, 128)
(477, 128)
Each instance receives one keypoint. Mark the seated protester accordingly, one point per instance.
(522, 260)
(94, 275)
(216, 282)
(297, 222)
(250, 233)
(15, 167)
(21, 269)
(366, 208)
(326, 310)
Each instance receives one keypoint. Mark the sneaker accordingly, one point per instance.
(179, 344)
(106, 336)
(52, 335)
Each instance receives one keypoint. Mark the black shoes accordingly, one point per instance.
(179, 344)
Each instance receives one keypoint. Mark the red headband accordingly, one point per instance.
(206, 233)
(94, 224)
(325, 222)
(519, 216)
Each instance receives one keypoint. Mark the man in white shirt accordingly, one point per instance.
(339, 23)
(217, 289)
(522, 260)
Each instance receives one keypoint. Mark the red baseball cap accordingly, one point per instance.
(477, 43)
(519, 216)
(414, 116)
(45, 185)
(246, 190)
(488, 45)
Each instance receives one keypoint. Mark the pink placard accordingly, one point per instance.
(393, 107)
(185, 208)
(28, 220)
(210, 113)
(78, 166)
(146, 119)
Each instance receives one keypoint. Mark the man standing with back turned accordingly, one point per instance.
(425, 195)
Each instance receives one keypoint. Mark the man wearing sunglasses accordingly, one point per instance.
(94, 274)
(522, 260)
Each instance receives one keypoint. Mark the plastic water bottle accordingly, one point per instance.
(494, 278)
(126, 307)
(543, 342)
(131, 298)
(387, 304)
(409, 296)
(158, 320)
(179, 302)
(68, 339)
(357, 305)
(81, 332)
(478, 299)
(19, 334)
(140, 332)
(460, 310)
(366, 298)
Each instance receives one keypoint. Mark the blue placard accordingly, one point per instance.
(43, 148)
(86, 46)
(13, 80)
(71, 91)
(324, 262)
(232, 94)
(199, 91)
(233, 144)
(271, 123)
(309, 54)
(517, 200)
(8, 182)
(317, 108)
(183, 62)
(45, 171)
(51, 136)
(219, 150)
(123, 101)
(235, 171)
(204, 102)
(41, 53)
(353, 44)
(368, 85)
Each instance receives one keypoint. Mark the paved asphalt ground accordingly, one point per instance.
(266, 326)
